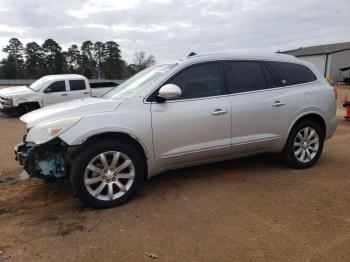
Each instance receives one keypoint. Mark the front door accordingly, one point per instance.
(55, 93)
(196, 127)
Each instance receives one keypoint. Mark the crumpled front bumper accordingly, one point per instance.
(21, 153)
(44, 161)
(24, 154)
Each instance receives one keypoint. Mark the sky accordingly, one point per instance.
(171, 29)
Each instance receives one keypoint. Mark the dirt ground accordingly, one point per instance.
(251, 209)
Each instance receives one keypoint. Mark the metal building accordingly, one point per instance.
(329, 59)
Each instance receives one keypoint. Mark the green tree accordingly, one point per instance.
(9, 68)
(14, 51)
(34, 60)
(73, 58)
(94, 60)
(87, 63)
(99, 58)
(2, 63)
(113, 64)
(54, 59)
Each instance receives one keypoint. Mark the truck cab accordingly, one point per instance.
(48, 90)
(56, 89)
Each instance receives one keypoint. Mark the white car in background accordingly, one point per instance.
(49, 90)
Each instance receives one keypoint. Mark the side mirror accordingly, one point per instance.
(48, 90)
(169, 91)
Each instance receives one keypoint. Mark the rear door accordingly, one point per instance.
(259, 107)
(195, 127)
(78, 89)
(55, 92)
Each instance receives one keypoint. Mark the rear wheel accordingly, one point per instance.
(304, 145)
(107, 173)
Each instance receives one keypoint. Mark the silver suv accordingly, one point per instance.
(203, 109)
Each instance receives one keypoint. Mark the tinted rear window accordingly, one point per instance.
(244, 76)
(103, 84)
(77, 85)
(271, 79)
(292, 74)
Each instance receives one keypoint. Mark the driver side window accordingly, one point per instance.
(203, 80)
(58, 86)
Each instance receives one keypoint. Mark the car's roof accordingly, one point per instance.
(63, 77)
(241, 56)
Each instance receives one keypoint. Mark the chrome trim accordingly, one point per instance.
(256, 141)
(220, 147)
(218, 112)
(193, 152)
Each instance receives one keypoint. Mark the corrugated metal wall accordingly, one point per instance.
(317, 60)
(339, 60)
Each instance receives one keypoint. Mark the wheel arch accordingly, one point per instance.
(29, 103)
(313, 116)
(124, 137)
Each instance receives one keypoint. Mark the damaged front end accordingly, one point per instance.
(47, 161)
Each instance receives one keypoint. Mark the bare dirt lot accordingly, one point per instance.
(251, 209)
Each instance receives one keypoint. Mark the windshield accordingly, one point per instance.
(38, 84)
(136, 84)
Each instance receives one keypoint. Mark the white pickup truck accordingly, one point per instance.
(48, 90)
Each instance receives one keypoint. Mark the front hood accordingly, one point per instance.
(77, 107)
(15, 91)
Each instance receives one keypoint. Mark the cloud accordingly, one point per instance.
(170, 29)
(93, 7)
(10, 29)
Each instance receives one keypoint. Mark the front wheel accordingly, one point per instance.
(304, 145)
(107, 173)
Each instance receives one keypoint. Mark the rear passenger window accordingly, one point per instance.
(77, 85)
(271, 79)
(244, 76)
(200, 81)
(292, 74)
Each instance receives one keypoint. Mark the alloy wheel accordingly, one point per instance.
(306, 144)
(109, 175)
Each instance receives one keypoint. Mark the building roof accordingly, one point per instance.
(318, 50)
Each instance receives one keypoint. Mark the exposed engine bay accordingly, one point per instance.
(47, 161)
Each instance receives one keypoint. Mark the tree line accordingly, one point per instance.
(93, 60)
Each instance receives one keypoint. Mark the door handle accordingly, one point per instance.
(85, 93)
(278, 104)
(218, 111)
(64, 95)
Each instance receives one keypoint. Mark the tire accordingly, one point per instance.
(300, 152)
(99, 156)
